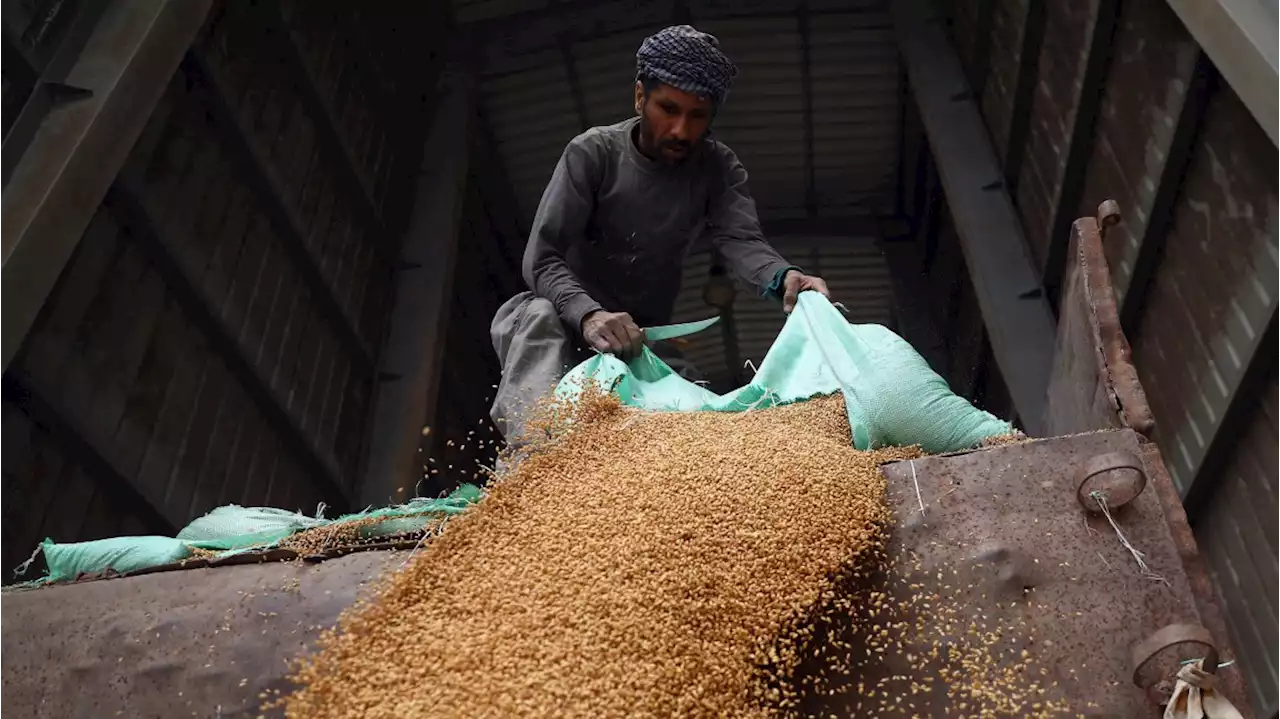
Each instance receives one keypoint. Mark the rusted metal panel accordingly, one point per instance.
(53, 191)
(199, 641)
(1205, 324)
(1007, 518)
(1063, 56)
(1094, 383)
(1022, 538)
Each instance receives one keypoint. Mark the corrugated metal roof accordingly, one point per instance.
(532, 48)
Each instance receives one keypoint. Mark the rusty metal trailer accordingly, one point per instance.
(213, 638)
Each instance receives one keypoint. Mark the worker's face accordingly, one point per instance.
(671, 122)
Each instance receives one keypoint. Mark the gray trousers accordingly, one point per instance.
(536, 349)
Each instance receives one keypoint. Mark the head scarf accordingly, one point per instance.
(687, 60)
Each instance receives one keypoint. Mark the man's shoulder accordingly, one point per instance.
(719, 151)
(606, 138)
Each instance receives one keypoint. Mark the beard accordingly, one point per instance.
(651, 146)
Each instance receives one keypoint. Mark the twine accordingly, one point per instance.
(1221, 665)
(1101, 498)
(916, 482)
(22, 568)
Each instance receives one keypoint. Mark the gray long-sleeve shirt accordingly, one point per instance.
(613, 226)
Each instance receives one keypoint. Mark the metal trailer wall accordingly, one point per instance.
(213, 335)
(462, 438)
(1115, 99)
(934, 283)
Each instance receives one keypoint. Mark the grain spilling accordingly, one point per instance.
(640, 564)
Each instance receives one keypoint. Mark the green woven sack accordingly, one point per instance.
(892, 395)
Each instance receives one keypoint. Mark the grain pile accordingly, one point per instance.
(681, 564)
(642, 564)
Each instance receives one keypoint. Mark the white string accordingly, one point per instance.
(1101, 498)
(916, 482)
(768, 393)
(22, 568)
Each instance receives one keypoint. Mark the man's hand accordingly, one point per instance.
(613, 332)
(795, 283)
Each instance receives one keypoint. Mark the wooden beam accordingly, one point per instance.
(1199, 83)
(1066, 206)
(125, 66)
(1016, 315)
(414, 352)
(1024, 91)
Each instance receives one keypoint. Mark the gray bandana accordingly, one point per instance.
(687, 60)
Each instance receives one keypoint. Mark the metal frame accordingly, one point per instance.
(339, 153)
(1199, 84)
(72, 438)
(257, 172)
(1018, 320)
(981, 59)
(806, 85)
(1240, 36)
(1024, 92)
(125, 198)
(1243, 399)
(72, 158)
(414, 352)
(575, 85)
(1079, 145)
(854, 226)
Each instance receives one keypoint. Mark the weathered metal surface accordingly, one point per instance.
(1007, 284)
(1241, 37)
(1082, 119)
(1151, 101)
(256, 170)
(68, 165)
(126, 197)
(414, 351)
(1002, 527)
(1202, 587)
(1008, 21)
(1059, 71)
(1212, 299)
(1094, 384)
(181, 642)
(201, 642)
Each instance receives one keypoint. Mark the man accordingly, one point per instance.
(622, 207)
